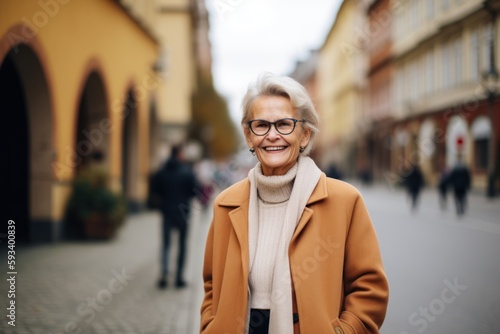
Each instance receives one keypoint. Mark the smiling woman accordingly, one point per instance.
(276, 151)
(267, 227)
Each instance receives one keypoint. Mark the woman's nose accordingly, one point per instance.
(273, 133)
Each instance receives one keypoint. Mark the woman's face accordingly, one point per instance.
(276, 152)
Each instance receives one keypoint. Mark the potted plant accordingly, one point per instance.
(96, 211)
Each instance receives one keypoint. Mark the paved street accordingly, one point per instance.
(443, 272)
(106, 287)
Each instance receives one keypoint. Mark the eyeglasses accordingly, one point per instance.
(284, 126)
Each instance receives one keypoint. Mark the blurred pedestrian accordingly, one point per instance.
(267, 227)
(176, 185)
(414, 182)
(460, 180)
(334, 172)
(205, 174)
(443, 186)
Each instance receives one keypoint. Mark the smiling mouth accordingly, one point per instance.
(275, 148)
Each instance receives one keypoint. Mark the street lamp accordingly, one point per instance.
(490, 82)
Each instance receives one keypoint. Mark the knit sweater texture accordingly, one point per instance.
(273, 195)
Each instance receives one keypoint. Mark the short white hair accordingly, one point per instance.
(268, 84)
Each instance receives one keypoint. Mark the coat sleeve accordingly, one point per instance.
(366, 290)
(206, 306)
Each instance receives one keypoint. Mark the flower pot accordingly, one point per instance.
(99, 226)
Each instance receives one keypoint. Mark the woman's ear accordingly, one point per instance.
(246, 132)
(306, 136)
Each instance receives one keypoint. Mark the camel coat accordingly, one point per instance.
(339, 284)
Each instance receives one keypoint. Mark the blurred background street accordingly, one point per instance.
(95, 94)
(423, 253)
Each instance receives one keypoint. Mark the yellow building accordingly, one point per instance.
(81, 79)
(171, 22)
(340, 82)
(188, 107)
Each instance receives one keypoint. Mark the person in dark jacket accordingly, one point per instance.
(459, 179)
(443, 184)
(334, 172)
(176, 185)
(414, 182)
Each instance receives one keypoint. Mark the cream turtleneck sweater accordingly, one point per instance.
(273, 195)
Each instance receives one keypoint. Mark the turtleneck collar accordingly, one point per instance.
(276, 188)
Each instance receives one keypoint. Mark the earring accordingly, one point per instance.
(302, 149)
(252, 150)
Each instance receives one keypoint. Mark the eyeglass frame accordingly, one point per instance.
(295, 121)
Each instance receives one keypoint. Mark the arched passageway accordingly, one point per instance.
(15, 160)
(92, 135)
(92, 143)
(28, 152)
(457, 141)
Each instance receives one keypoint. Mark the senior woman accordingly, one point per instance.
(290, 250)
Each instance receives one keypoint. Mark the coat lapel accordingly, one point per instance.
(239, 220)
(238, 197)
(319, 193)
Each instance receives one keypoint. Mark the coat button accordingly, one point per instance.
(338, 330)
(295, 318)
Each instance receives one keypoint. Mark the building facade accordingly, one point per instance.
(441, 54)
(427, 98)
(77, 77)
(374, 155)
(339, 89)
(305, 73)
(187, 108)
(172, 24)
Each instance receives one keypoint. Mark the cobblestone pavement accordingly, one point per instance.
(106, 287)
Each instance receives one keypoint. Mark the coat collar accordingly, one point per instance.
(239, 193)
(238, 197)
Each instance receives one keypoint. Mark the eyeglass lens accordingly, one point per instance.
(283, 126)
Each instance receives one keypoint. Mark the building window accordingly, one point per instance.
(399, 86)
(414, 80)
(414, 14)
(421, 76)
(481, 154)
(459, 66)
(407, 83)
(445, 5)
(485, 48)
(429, 72)
(430, 9)
(446, 66)
(481, 134)
(474, 56)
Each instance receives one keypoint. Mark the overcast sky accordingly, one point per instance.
(252, 36)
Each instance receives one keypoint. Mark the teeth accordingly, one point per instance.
(277, 148)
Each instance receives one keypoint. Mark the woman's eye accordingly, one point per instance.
(284, 124)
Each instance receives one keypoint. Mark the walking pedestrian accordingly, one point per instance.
(460, 180)
(443, 186)
(414, 182)
(290, 250)
(176, 185)
(334, 172)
